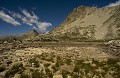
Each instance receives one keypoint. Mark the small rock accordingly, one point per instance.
(93, 65)
(17, 76)
(57, 76)
(69, 76)
(100, 70)
(118, 63)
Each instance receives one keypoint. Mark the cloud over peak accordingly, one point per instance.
(43, 25)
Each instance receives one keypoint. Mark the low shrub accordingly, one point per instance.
(16, 68)
(2, 68)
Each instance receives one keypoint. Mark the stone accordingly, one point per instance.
(57, 76)
(118, 63)
(17, 76)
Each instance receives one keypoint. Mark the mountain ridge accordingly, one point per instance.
(82, 24)
(19, 37)
(90, 23)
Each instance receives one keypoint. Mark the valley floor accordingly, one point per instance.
(57, 60)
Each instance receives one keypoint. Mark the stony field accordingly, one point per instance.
(57, 60)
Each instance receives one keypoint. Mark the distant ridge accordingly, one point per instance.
(19, 37)
(31, 33)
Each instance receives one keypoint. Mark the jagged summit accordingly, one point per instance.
(32, 33)
(91, 23)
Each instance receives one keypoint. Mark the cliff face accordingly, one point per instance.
(91, 23)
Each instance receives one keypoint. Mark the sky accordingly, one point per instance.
(19, 16)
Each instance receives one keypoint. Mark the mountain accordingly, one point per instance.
(82, 24)
(90, 23)
(19, 37)
(31, 33)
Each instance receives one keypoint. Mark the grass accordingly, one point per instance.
(81, 68)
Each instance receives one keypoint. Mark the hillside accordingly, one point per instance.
(19, 37)
(90, 23)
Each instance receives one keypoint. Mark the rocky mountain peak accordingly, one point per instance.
(32, 33)
(88, 23)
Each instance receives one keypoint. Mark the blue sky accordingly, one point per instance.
(19, 16)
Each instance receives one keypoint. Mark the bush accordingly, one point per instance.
(68, 61)
(36, 74)
(47, 56)
(65, 73)
(2, 68)
(35, 61)
(16, 68)
(112, 61)
(26, 74)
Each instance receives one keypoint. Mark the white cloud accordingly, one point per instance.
(8, 19)
(32, 20)
(25, 17)
(43, 26)
(114, 4)
(28, 15)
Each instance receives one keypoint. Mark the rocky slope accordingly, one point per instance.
(90, 23)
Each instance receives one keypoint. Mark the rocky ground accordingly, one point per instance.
(57, 60)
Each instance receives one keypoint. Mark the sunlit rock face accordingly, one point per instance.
(91, 23)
